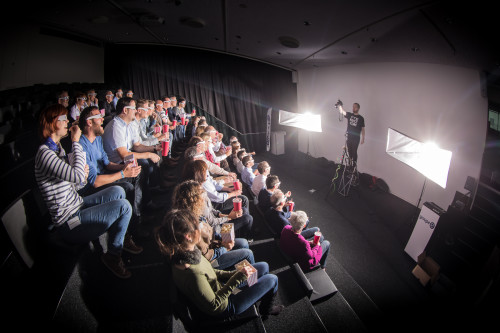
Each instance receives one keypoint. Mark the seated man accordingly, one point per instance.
(247, 174)
(215, 149)
(120, 139)
(239, 164)
(276, 218)
(308, 254)
(108, 106)
(259, 181)
(264, 198)
(103, 173)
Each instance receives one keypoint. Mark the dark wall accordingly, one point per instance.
(236, 90)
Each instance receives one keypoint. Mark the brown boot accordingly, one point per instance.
(115, 264)
(130, 246)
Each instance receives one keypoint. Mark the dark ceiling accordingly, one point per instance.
(294, 34)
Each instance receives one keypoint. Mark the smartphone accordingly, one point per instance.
(130, 159)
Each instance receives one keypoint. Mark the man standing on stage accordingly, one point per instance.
(355, 131)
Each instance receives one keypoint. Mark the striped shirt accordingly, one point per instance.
(58, 181)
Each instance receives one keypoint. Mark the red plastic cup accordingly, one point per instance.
(165, 128)
(237, 185)
(194, 112)
(103, 111)
(174, 122)
(183, 119)
(317, 236)
(164, 148)
(157, 129)
(237, 204)
(291, 204)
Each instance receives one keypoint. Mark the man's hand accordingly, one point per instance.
(233, 176)
(154, 157)
(130, 171)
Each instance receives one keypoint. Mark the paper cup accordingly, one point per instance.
(193, 112)
(157, 129)
(103, 111)
(164, 148)
(237, 203)
(183, 120)
(174, 122)
(317, 236)
(292, 205)
(237, 185)
(165, 128)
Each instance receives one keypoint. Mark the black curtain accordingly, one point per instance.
(236, 90)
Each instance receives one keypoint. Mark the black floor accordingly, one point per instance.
(368, 230)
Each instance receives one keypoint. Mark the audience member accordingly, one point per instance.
(264, 198)
(104, 173)
(209, 289)
(130, 93)
(63, 98)
(108, 106)
(259, 181)
(78, 107)
(92, 99)
(118, 95)
(276, 217)
(247, 174)
(221, 254)
(308, 254)
(77, 219)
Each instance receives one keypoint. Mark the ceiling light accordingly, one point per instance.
(289, 42)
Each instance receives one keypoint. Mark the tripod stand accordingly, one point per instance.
(350, 175)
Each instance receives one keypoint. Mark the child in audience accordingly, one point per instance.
(209, 289)
(308, 254)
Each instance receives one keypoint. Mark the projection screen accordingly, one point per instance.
(426, 158)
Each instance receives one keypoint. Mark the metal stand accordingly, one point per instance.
(350, 177)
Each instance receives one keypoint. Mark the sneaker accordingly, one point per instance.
(115, 264)
(130, 246)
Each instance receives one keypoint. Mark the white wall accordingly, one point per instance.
(426, 102)
(29, 58)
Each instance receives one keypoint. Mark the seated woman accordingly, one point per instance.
(243, 221)
(209, 289)
(76, 219)
(276, 216)
(222, 255)
(306, 253)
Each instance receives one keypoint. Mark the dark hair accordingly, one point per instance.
(240, 153)
(82, 122)
(122, 103)
(246, 159)
(170, 235)
(195, 170)
(194, 141)
(271, 181)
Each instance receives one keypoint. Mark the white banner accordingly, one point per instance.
(268, 130)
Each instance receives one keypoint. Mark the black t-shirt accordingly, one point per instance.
(354, 123)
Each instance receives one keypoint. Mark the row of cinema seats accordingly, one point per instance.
(316, 283)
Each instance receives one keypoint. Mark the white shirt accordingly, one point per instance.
(259, 182)
(119, 134)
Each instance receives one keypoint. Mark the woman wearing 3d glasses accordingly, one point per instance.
(76, 219)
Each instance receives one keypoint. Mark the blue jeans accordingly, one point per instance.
(227, 259)
(106, 210)
(250, 295)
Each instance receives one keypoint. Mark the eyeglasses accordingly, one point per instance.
(144, 109)
(166, 101)
(200, 143)
(110, 95)
(82, 98)
(64, 98)
(129, 107)
(92, 94)
(96, 116)
(62, 118)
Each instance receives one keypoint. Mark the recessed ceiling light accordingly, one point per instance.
(307, 23)
(343, 52)
(193, 22)
(289, 42)
(415, 49)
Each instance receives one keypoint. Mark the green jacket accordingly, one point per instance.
(208, 288)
